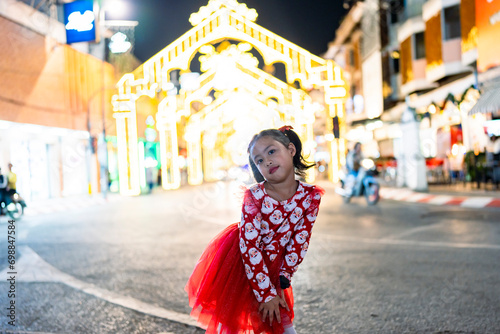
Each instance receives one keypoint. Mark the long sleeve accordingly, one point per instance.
(251, 252)
(296, 248)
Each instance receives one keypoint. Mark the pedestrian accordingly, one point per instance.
(241, 283)
(149, 179)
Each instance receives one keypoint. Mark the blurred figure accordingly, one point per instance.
(3, 187)
(11, 181)
(149, 179)
(355, 173)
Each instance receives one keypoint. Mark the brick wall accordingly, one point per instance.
(46, 83)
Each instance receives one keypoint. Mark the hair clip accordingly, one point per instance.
(285, 128)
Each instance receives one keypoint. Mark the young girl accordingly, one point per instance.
(241, 284)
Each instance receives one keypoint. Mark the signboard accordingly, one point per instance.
(80, 21)
(488, 30)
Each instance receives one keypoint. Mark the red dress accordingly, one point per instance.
(240, 267)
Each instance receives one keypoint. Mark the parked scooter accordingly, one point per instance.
(369, 185)
(15, 209)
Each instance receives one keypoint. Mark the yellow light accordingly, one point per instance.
(454, 150)
(329, 137)
(224, 20)
(432, 109)
(395, 54)
(207, 100)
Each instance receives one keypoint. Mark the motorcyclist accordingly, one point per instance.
(355, 173)
(11, 181)
(3, 189)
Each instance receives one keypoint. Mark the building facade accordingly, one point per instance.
(52, 106)
(437, 58)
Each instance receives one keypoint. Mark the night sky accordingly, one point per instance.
(310, 24)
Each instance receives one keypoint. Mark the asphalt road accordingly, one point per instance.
(121, 267)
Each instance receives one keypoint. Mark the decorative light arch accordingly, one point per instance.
(221, 20)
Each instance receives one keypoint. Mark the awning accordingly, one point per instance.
(489, 102)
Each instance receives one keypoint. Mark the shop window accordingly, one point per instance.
(419, 45)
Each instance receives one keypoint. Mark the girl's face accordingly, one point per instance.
(273, 160)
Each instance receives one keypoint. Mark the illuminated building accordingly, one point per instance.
(443, 66)
(214, 114)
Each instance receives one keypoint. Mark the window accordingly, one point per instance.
(419, 44)
(395, 65)
(351, 57)
(452, 23)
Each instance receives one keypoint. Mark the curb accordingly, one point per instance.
(406, 195)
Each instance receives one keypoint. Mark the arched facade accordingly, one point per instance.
(242, 92)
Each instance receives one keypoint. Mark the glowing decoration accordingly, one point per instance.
(215, 5)
(166, 122)
(242, 91)
(81, 22)
(119, 43)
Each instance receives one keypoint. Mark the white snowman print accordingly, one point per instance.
(276, 217)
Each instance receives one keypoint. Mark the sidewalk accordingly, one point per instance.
(459, 194)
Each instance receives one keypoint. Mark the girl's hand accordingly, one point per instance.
(271, 309)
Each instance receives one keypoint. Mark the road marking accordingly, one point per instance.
(32, 268)
(396, 242)
(476, 202)
(412, 231)
(440, 200)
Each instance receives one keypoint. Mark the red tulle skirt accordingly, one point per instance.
(220, 293)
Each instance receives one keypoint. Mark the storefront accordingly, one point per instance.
(49, 162)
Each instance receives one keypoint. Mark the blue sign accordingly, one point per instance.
(80, 21)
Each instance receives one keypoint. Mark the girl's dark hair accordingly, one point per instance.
(284, 137)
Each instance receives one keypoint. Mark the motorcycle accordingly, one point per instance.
(15, 209)
(369, 187)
